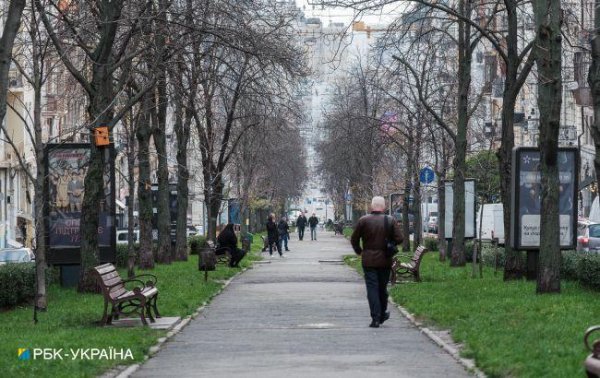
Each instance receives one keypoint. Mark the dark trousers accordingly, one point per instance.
(236, 256)
(300, 233)
(377, 280)
(283, 239)
(277, 245)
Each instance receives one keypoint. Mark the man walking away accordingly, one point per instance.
(284, 232)
(376, 263)
(301, 224)
(313, 221)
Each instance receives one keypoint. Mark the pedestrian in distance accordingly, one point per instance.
(284, 233)
(301, 224)
(273, 235)
(313, 221)
(376, 260)
(228, 239)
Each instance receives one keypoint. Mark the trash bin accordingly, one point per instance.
(207, 259)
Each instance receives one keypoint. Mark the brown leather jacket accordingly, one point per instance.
(370, 229)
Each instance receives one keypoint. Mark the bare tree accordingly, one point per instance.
(34, 75)
(246, 55)
(101, 32)
(548, 56)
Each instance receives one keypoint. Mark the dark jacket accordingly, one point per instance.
(272, 232)
(313, 221)
(301, 221)
(370, 229)
(283, 228)
(228, 239)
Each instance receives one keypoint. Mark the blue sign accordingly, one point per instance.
(426, 175)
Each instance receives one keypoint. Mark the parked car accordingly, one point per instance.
(123, 233)
(588, 236)
(432, 224)
(16, 255)
(191, 231)
(411, 221)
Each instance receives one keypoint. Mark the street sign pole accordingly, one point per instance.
(426, 176)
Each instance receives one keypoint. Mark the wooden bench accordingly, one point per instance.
(223, 254)
(409, 268)
(592, 362)
(140, 300)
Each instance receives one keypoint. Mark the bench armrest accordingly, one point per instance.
(129, 281)
(151, 282)
(595, 347)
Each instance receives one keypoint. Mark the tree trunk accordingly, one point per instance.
(594, 82)
(548, 57)
(405, 208)
(164, 214)
(41, 299)
(441, 217)
(183, 135)
(163, 219)
(464, 83)
(417, 193)
(90, 211)
(213, 194)
(144, 189)
(513, 265)
(131, 253)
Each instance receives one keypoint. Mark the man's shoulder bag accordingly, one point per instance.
(390, 244)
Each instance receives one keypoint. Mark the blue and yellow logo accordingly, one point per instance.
(24, 354)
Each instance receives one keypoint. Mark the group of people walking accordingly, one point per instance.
(373, 237)
(278, 234)
(301, 223)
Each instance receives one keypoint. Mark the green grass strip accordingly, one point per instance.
(71, 322)
(505, 327)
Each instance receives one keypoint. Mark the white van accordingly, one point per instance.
(492, 222)
(122, 236)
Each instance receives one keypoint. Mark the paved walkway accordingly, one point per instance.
(298, 317)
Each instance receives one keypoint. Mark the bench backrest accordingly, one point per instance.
(418, 256)
(110, 281)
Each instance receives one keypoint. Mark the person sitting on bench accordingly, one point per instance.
(228, 239)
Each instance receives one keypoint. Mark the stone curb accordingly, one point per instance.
(452, 351)
(127, 371)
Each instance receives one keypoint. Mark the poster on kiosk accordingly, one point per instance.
(526, 202)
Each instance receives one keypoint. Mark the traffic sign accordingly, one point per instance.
(426, 175)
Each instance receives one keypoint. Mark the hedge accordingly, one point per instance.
(577, 266)
(17, 283)
(123, 254)
(431, 244)
(195, 243)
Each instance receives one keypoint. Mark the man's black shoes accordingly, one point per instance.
(374, 324)
(384, 317)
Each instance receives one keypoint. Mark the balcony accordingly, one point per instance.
(15, 81)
